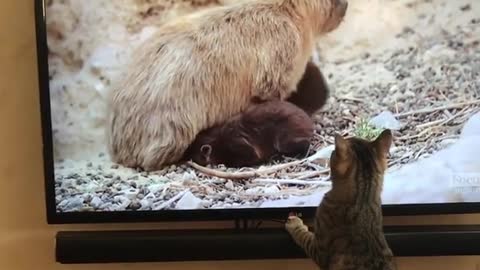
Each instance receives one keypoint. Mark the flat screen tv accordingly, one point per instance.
(119, 96)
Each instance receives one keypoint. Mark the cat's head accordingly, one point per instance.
(360, 164)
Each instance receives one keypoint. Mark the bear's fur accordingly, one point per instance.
(260, 133)
(201, 69)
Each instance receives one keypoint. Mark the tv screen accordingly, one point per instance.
(156, 110)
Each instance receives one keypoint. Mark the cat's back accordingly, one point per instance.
(362, 251)
(347, 262)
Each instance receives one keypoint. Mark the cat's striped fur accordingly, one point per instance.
(348, 226)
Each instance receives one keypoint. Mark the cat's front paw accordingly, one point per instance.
(295, 223)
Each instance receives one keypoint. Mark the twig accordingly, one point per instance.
(243, 175)
(406, 155)
(350, 98)
(442, 122)
(311, 174)
(446, 107)
(425, 131)
(421, 151)
(436, 122)
(446, 137)
(314, 166)
(172, 200)
(292, 181)
(280, 193)
(251, 174)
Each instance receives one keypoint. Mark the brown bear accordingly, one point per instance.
(200, 69)
(266, 130)
(262, 132)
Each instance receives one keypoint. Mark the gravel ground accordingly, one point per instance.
(422, 81)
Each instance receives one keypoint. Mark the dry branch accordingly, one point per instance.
(172, 200)
(243, 175)
(292, 181)
(446, 107)
(250, 174)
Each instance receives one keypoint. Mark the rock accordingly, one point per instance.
(472, 126)
(447, 142)
(145, 204)
(135, 205)
(262, 190)
(188, 176)
(209, 190)
(73, 175)
(325, 152)
(106, 206)
(271, 190)
(105, 197)
(155, 188)
(123, 200)
(91, 185)
(229, 185)
(74, 204)
(386, 120)
(96, 202)
(254, 190)
(393, 150)
(131, 193)
(161, 206)
(206, 204)
(393, 89)
(62, 204)
(80, 182)
(134, 177)
(188, 182)
(466, 7)
(150, 196)
(312, 200)
(147, 201)
(189, 201)
(87, 198)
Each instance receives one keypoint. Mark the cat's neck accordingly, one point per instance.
(343, 192)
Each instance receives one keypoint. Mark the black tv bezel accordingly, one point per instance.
(54, 217)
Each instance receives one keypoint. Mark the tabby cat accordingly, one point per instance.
(348, 225)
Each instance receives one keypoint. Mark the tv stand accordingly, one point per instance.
(244, 243)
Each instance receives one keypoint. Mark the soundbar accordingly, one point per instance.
(249, 244)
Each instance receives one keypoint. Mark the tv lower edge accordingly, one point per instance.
(74, 247)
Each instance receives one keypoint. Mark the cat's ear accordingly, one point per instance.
(206, 150)
(384, 141)
(341, 145)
